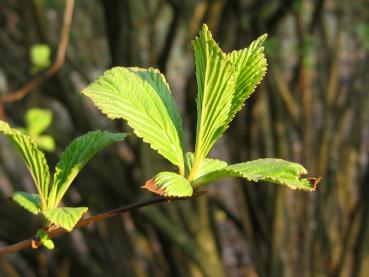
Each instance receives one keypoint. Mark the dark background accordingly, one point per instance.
(311, 108)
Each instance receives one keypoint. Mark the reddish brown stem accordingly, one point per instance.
(29, 243)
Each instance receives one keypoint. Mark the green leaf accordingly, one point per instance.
(45, 142)
(42, 235)
(250, 66)
(31, 202)
(75, 156)
(216, 82)
(37, 120)
(40, 56)
(142, 97)
(206, 168)
(66, 217)
(33, 157)
(48, 243)
(169, 184)
(275, 171)
(269, 170)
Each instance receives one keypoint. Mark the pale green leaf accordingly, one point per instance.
(169, 184)
(45, 142)
(29, 201)
(48, 243)
(40, 56)
(66, 217)
(206, 168)
(274, 171)
(33, 157)
(250, 66)
(75, 156)
(37, 120)
(269, 170)
(142, 97)
(216, 82)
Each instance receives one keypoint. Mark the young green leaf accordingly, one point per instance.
(169, 184)
(29, 201)
(33, 157)
(66, 217)
(44, 239)
(275, 171)
(250, 66)
(269, 170)
(45, 142)
(75, 156)
(216, 82)
(37, 120)
(142, 97)
(48, 243)
(207, 166)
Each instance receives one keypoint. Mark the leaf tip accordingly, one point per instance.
(314, 182)
(150, 185)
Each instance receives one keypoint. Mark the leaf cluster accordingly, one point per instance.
(143, 98)
(50, 194)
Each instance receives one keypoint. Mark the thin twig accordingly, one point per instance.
(84, 222)
(55, 67)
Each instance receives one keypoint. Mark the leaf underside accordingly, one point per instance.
(66, 217)
(29, 201)
(142, 98)
(169, 184)
(75, 156)
(33, 157)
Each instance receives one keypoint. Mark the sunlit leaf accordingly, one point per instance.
(269, 170)
(33, 157)
(66, 217)
(40, 56)
(142, 97)
(206, 168)
(216, 82)
(37, 120)
(29, 201)
(250, 66)
(75, 156)
(46, 142)
(169, 184)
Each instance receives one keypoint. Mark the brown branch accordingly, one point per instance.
(84, 222)
(55, 67)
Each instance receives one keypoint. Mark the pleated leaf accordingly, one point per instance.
(216, 82)
(269, 170)
(33, 157)
(142, 97)
(207, 168)
(66, 217)
(275, 171)
(250, 65)
(75, 156)
(169, 184)
(29, 201)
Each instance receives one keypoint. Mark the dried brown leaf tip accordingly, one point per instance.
(35, 243)
(314, 181)
(151, 186)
